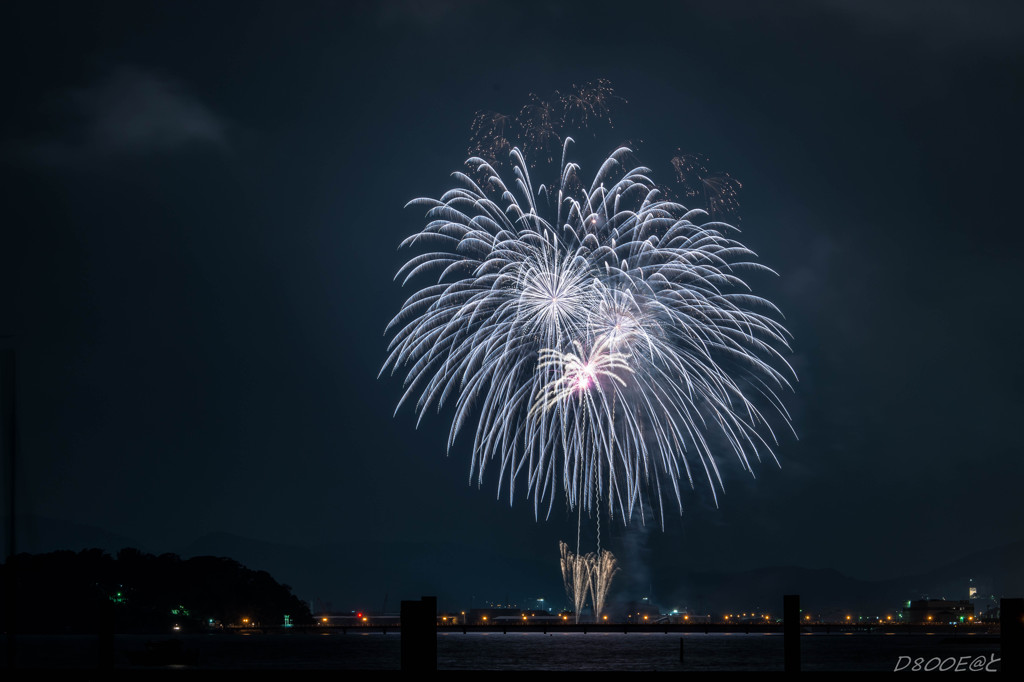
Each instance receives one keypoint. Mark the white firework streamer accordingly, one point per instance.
(597, 335)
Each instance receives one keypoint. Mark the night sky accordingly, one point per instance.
(203, 204)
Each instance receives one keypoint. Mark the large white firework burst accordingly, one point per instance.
(601, 336)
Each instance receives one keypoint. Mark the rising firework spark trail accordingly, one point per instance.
(599, 336)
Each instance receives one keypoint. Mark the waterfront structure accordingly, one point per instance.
(940, 611)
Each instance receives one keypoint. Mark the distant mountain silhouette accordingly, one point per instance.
(39, 534)
(376, 576)
(995, 572)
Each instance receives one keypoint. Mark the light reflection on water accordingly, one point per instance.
(520, 651)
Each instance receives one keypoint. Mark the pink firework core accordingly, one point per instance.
(585, 378)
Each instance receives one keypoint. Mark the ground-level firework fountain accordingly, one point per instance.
(603, 569)
(587, 574)
(575, 578)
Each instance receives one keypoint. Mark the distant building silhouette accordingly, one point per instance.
(940, 611)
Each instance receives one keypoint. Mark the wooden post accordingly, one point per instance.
(791, 631)
(8, 443)
(419, 634)
(1011, 634)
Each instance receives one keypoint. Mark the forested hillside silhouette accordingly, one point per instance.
(91, 591)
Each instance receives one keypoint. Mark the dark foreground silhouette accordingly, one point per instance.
(91, 592)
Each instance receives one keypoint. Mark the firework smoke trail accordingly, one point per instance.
(541, 125)
(720, 191)
(576, 578)
(603, 568)
(596, 332)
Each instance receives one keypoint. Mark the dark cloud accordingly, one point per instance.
(426, 14)
(991, 25)
(129, 112)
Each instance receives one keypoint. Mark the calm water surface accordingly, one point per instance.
(524, 651)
